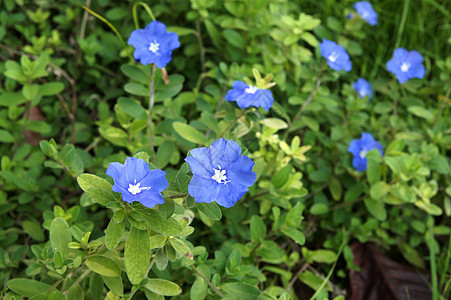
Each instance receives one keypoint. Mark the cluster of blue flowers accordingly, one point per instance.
(220, 173)
(404, 65)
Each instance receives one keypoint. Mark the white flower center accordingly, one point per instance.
(154, 47)
(220, 175)
(405, 67)
(333, 57)
(362, 93)
(135, 189)
(365, 14)
(251, 90)
(363, 153)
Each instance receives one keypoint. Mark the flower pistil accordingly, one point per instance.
(220, 175)
(154, 47)
(135, 188)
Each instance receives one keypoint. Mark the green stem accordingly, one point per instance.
(151, 103)
(112, 28)
(209, 282)
(135, 13)
(243, 112)
(304, 105)
(430, 242)
(330, 272)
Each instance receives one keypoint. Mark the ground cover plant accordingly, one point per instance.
(252, 149)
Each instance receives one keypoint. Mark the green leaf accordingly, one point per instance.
(335, 188)
(75, 293)
(412, 255)
(376, 208)
(114, 284)
(27, 287)
(167, 208)
(137, 89)
(114, 233)
(181, 247)
(319, 209)
(100, 196)
(430, 208)
(379, 189)
(132, 108)
(294, 234)
(211, 210)
(242, 291)
(6, 137)
(51, 88)
(60, 236)
(135, 73)
(30, 91)
(274, 123)
(323, 256)
(421, 112)
(103, 265)
(167, 91)
(114, 135)
(234, 38)
(282, 176)
(189, 133)
(12, 99)
(198, 289)
(181, 31)
(87, 181)
(157, 241)
(34, 230)
(157, 223)
(137, 255)
(163, 287)
(258, 229)
(58, 259)
(164, 153)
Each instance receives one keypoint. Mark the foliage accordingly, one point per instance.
(73, 100)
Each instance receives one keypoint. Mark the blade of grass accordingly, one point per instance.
(331, 270)
(403, 22)
(112, 28)
(432, 258)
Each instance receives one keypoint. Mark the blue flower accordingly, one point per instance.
(136, 182)
(336, 56)
(154, 44)
(220, 173)
(366, 12)
(249, 95)
(406, 65)
(360, 148)
(363, 88)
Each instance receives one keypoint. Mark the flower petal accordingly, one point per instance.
(135, 168)
(150, 199)
(224, 152)
(360, 164)
(156, 180)
(241, 172)
(203, 190)
(197, 168)
(230, 193)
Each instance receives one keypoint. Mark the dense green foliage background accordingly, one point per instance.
(73, 100)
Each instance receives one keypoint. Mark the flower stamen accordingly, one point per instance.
(220, 176)
(405, 67)
(251, 90)
(333, 57)
(154, 47)
(363, 153)
(135, 188)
